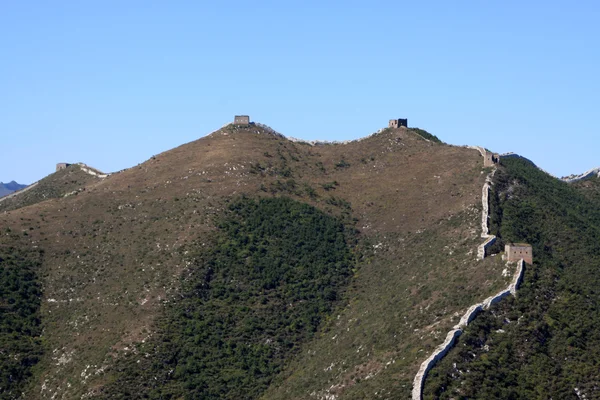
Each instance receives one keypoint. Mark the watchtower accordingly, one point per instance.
(241, 120)
(61, 165)
(490, 159)
(518, 251)
(397, 123)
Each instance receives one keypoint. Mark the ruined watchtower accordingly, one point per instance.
(517, 251)
(61, 165)
(241, 120)
(490, 159)
(397, 123)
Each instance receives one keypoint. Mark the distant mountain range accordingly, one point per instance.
(8, 188)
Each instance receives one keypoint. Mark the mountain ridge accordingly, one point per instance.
(116, 255)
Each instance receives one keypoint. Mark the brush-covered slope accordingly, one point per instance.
(590, 187)
(168, 253)
(545, 343)
(69, 181)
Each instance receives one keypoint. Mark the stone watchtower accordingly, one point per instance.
(397, 123)
(61, 165)
(490, 159)
(241, 120)
(517, 251)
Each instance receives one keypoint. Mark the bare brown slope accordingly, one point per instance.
(114, 252)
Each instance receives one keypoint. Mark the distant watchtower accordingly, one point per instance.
(489, 159)
(517, 251)
(397, 123)
(61, 165)
(241, 120)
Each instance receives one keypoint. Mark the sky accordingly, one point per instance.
(111, 83)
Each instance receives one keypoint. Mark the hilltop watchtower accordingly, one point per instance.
(61, 165)
(490, 159)
(241, 120)
(518, 251)
(397, 123)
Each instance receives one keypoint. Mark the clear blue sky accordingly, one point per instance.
(110, 83)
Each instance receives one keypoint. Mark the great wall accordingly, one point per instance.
(471, 313)
(85, 168)
(585, 175)
(18, 192)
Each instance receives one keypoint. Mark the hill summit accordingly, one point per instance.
(249, 265)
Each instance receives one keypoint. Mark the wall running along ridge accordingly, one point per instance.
(585, 175)
(471, 313)
(485, 231)
(18, 192)
(85, 168)
(91, 171)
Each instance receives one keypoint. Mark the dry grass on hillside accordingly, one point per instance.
(115, 251)
(66, 182)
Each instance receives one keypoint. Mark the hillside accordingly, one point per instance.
(544, 343)
(589, 187)
(10, 187)
(66, 182)
(130, 262)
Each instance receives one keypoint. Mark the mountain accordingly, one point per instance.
(248, 265)
(545, 342)
(594, 172)
(8, 188)
(65, 182)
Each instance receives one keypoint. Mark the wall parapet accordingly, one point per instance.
(485, 216)
(471, 313)
(467, 318)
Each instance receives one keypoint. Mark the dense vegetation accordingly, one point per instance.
(546, 343)
(258, 291)
(20, 329)
(426, 135)
(589, 187)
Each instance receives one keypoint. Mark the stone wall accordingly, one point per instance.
(85, 168)
(489, 159)
(485, 231)
(585, 175)
(18, 192)
(471, 313)
(91, 171)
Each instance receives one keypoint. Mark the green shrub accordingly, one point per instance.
(271, 274)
